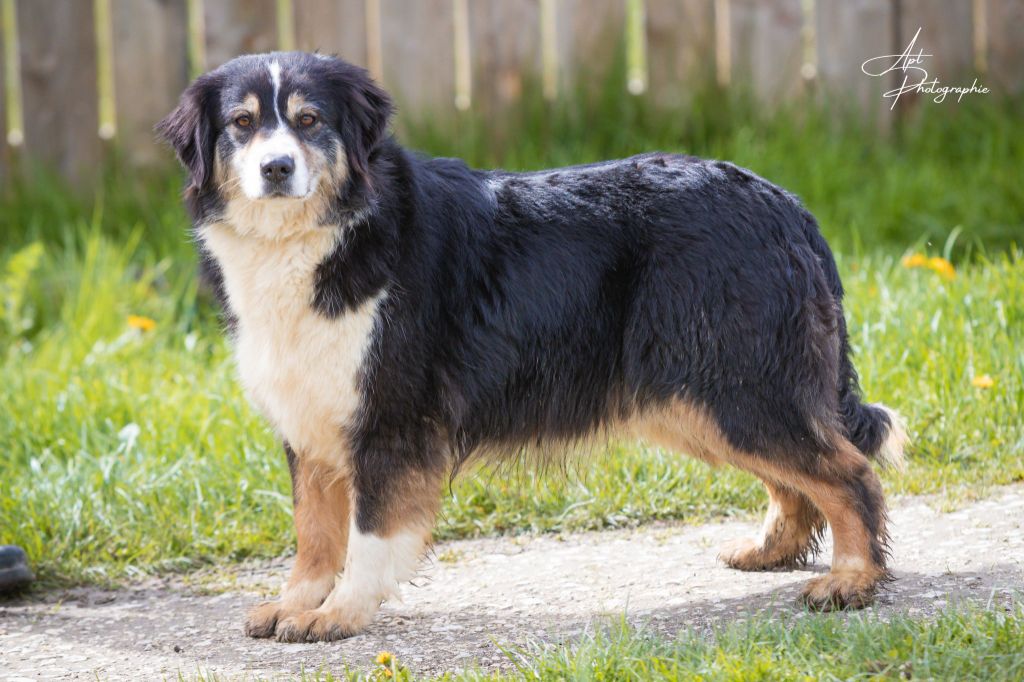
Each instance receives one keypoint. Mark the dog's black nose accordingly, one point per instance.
(277, 169)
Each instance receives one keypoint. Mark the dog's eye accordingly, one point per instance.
(306, 120)
(243, 121)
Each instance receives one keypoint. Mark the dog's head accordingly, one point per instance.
(279, 127)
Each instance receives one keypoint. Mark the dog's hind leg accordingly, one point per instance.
(789, 535)
(848, 493)
(321, 502)
(839, 483)
(792, 526)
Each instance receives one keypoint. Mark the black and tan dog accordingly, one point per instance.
(393, 315)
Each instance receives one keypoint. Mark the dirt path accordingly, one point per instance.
(507, 590)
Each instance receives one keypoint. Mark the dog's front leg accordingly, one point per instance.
(395, 500)
(321, 503)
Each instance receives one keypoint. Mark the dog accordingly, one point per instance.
(394, 316)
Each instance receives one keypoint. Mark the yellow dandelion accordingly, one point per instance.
(146, 324)
(983, 381)
(385, 657)
(942, 267)
(387, 672)
(917, 260)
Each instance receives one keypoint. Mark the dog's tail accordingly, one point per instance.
(877, 431)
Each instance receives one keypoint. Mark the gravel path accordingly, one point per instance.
(474, 595)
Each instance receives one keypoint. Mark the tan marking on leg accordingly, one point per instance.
(855, 575)
(789, 534)
(321, 523)
(414, 502)
(322, 527)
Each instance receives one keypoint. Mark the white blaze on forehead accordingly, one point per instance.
(275, 79)
(281, 142)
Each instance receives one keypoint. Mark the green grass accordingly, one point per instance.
(967, 644)
(128, 451)
(959, 644)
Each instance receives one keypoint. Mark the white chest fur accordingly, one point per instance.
(298, 367)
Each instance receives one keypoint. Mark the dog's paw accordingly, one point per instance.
(840, 590)
(317, 625)
(748, 554)
(263, 619)
(743, 554)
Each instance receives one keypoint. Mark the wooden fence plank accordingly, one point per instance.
(591, 39)
(418, 61)
(767, 51)
(235, 27)
(58, 60)
(418, 55)
(1006, 46)
(946, 35)
(851, 32)
(335, 27)
(150, 71)
(5, 149)
(680, 48)
(505, 51)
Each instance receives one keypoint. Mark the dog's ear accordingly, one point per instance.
(365, 113)
(191, 131)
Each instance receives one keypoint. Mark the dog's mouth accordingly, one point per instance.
(287, 193)
(283, 195)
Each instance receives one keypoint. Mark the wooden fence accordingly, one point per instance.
(82, 76)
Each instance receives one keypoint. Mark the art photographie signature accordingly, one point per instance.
(915, 77)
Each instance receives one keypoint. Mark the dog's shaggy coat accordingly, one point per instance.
(393, 314)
